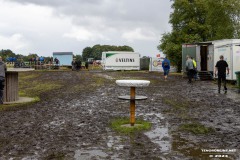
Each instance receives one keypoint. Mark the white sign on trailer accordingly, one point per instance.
(116, 60)
(156, 64)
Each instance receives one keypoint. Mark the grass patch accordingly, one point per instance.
(45, 87)
(4, 142)
(177, 104)
(97, 82)
(56, 156)
(28, 76)
(36, 99)
(16, 105)
(116, 125)
(36, 88)
(31, 86)
(176, 73)
(196, 128)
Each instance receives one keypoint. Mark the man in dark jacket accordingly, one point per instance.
(220, 71)
(3, 69)
(86, 65)
(78, 65)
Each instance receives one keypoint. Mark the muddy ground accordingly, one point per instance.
(72, 119)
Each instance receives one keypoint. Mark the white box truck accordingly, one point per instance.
(120, 60)
(230, 49)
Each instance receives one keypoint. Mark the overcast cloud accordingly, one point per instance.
(46, 26)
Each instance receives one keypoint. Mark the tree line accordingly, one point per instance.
(199, 21)
(94, 52)
(19, 57)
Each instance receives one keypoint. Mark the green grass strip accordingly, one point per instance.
(116, 125)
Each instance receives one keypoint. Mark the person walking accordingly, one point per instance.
(220, 72)
(86, 65)
(3, 69)
(78, 65)
(194, 69)
(189, 69)
(166, 67)
(73, 64)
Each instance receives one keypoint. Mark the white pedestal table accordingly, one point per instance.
(132, 97)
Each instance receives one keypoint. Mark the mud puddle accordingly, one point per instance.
(160, 133)
(90, 154)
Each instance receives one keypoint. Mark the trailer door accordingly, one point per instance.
(203, 53)
(210, 61)
(236, 60)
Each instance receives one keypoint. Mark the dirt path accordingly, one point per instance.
(72, 121)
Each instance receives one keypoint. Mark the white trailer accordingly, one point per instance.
(230, 49)
(120, 60)
(207, 54)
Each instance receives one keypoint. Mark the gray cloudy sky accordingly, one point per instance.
(46, 26)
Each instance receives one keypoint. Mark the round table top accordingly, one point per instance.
(133, 83)
(19, 69)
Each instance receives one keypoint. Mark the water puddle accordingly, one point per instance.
(57, 123)
(160, 133)
(115, 146)
(54, 124)
(89, 154)
(161, 137)
(115, 142)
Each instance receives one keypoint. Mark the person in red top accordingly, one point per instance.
(220, 72)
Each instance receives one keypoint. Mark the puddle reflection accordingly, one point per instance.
(161, 137)
(91, 154)
(160, 133)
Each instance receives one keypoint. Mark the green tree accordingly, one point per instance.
(171, 45)
(7, 53)
(29, 56)
(125, 48)
(199, 21)
(189, 19)
(78, 57)
(95, 52)
(223, 19)
(87, 53)
(47, 59)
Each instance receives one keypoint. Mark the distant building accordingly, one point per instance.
(65, 58)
